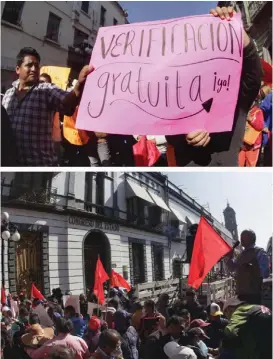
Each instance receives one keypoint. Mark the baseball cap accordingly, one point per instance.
(199, 323)
(175, 351)
(94, 323)
(215, 310)
(109, 309)
(198, 332)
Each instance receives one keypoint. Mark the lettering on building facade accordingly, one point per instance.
(94, 223)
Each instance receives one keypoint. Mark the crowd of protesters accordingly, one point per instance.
(126, 329)
(38, 124)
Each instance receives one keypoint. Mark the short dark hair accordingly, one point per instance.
(190, 292)
(149, 303)
(184, 312)
(137, 306)
(61, 352)
(46, 76)
(64, 325)
(23, 311)
(251, 234)
(175, 320)
(27, 51)
(106, 338)
(71, 310)
(34, 319)
(113, 303)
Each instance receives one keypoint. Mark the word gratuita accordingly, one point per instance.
(153, 94)
(179, 39)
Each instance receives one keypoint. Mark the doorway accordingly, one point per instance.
(95, 244)
(29, 260)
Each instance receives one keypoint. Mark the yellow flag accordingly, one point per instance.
(59, 75)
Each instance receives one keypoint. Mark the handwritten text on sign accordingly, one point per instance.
(164, 78)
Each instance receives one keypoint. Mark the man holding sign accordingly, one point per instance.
(30, 106)
(173, 77)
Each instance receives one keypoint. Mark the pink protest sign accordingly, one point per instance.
(164, 77)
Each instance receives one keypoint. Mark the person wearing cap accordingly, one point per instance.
(64, 329)
(108, 314)
(199, 323)
(249, 332)
(217, 325)
(130, 342)
(93, 333)
(175, 351)
(251, 267)
(196, 343)
(155, 343)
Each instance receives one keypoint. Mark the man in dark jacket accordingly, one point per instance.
(155, 343)
(200, 148)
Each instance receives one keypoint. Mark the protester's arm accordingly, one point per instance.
(230, 262)
(72, 99)
(66, 102)
(39, 353)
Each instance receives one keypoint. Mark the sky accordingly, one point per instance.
(139, 11)
(249, 194)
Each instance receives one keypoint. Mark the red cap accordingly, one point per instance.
(94, 323)
(198, 323)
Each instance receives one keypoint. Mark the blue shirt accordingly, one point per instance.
(79, 326)
(266, 107)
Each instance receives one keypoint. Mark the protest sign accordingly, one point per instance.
(59, 75)
(72, 300)
(92, 306)
(45, 320)
(164, 77)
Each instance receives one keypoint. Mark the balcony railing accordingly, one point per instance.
(255, 8)
(25, 194)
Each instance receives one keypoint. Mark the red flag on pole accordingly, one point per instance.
(208, 248)
(35, 293)
(118, 281)
(3, 295)
(100, 277)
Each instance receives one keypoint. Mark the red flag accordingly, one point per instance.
(100, 277)
(208, 248)
(3, 295)
(35, 293)
(118, 281)
(145, 153)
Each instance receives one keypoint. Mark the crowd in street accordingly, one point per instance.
(125, 329)
(39, 124)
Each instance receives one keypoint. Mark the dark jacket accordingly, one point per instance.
(224, 148)
(155, 343)
(130, 344)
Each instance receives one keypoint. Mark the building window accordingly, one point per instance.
(12, 11)
(79, 37)
(100, 192)
(115, 22)
(85, 6)
(158, 262)
(102, 16)
(155, 216)
(88, 190)
(138, 266)
(177, 268)
(137, 210)
(53, 27)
